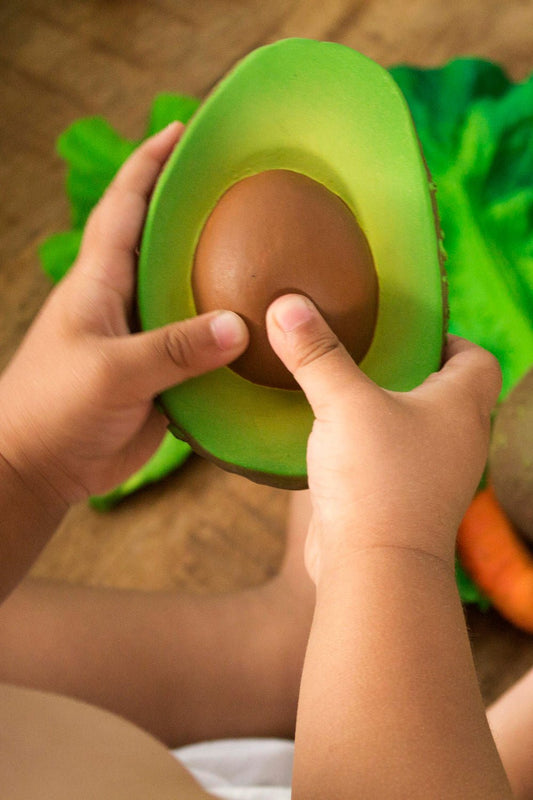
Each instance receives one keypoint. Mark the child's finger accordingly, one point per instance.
(312, 352)
(139, 172)
(114, 228)
(142, 365)
(472, 371)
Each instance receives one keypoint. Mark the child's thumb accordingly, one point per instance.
(147, 363)
(312, 353)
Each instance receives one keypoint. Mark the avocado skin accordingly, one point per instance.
(291, 482)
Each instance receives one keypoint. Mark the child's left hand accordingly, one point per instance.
(76, 402)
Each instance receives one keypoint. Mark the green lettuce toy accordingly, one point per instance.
(476, 130)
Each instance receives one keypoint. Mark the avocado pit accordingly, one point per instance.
(278, 232)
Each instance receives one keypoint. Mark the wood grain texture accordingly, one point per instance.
(201, 529)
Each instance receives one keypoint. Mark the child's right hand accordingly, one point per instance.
(386, 469)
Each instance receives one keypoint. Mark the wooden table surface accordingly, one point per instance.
(202, 529)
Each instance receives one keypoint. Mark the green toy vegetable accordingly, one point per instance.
(358, 142)
(476, 129)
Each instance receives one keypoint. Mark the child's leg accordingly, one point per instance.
(511, 722)
(183, 667)
(56, 748)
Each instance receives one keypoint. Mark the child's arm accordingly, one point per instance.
(389, 705)
(76, 402)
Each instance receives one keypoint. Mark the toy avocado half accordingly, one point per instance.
(325, 112)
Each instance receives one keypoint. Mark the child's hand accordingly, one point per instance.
(76, 402)
(386, 469)
(388, 677)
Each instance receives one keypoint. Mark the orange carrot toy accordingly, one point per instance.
(496, 558)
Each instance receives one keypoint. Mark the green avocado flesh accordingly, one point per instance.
(332, 114)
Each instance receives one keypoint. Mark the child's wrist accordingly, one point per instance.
(341, 553)
(30, 475)
(341, 567)
(31, 511)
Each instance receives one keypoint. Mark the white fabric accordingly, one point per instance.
(241, 769)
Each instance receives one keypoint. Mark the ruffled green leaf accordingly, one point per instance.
(170, 455)
(94, 151)
(468, 590)
(58, 253)
(476, 130)
(440, 99)
(168, 108)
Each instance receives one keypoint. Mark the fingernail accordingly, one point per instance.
(292, 311)
(176, 125)
(228, 329)
(172, 129)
